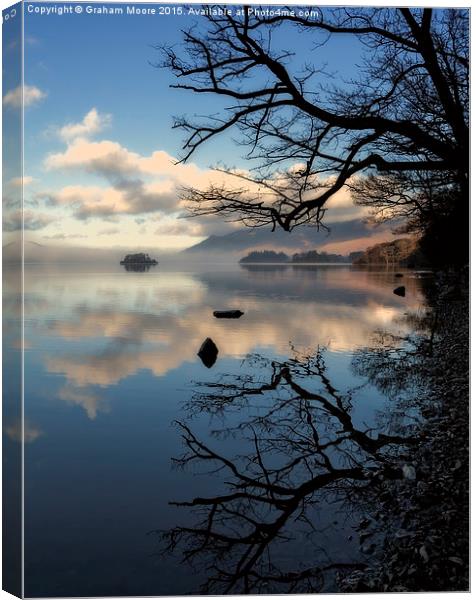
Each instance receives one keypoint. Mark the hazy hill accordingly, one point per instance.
(298, 240)
(40, 253)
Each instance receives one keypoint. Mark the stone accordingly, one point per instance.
(208, 353)
(400, 291)
(228, 314)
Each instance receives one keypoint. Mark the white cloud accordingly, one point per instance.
(93, 123)
(104, 158)
(115, 162)
(18, 181)
(31, 95)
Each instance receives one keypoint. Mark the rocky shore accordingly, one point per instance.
(425, 514)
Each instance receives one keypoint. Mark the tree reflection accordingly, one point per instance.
(399, 364)
(137, 267)
(302, 449)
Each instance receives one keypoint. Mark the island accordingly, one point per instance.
(265, 256)
(309, 257)
(313, 256)
(138, 263)
(138, 259)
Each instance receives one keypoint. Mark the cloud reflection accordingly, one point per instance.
(89, 401)
(28, 434)
(116, 328)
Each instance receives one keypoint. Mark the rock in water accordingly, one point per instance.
(227, 314)
(208, 353)
(400, 291)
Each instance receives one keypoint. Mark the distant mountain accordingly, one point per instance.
(298, 240)
(40, 253)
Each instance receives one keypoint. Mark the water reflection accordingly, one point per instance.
(208, 353)
(303, 451)
(158, 322)
(137, 267)
(111, 361)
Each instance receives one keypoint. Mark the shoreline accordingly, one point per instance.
(426, 544)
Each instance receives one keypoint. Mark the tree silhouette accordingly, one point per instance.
(405, 114)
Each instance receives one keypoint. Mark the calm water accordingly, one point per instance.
(111, 363)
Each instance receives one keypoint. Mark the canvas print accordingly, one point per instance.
(235, 299)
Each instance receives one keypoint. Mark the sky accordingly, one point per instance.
(100, 152)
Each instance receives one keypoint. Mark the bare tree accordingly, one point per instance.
(406, 111)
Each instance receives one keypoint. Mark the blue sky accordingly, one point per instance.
(93, 95)
(105, 61)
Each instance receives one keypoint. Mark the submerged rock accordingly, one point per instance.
(227, 314)
(208, 353)
(400, 291)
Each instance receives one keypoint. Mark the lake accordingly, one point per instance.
(115, 391)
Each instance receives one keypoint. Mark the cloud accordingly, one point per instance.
(92, 123)
(104, 158)
(340, 207)
(152, 183)
(65, 236)
(194, 227)
(109, 231)
(149, 185)
(138, 185)
(32, 220)
(129, 197)
(31, 95)
(126, 171)
(17, 182)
